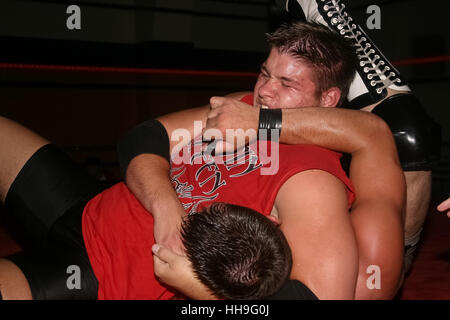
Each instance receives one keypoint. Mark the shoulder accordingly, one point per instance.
(316, 190)
(295, 159)
(313, 181)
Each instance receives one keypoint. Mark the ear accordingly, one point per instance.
(330, 98)
(274, 219)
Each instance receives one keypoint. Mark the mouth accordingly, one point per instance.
(261, 104)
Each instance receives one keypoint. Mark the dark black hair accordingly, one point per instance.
(236, 252)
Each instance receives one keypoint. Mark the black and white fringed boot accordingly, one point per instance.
(374, 72)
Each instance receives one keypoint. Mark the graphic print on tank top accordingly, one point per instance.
(200, 182)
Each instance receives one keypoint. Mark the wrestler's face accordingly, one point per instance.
(285, 82)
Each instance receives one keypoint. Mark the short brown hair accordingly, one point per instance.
(331, 56)
(236, 252)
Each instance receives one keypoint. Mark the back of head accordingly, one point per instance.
(236, 252)
(331, 56)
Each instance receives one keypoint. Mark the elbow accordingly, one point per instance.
(381, 136)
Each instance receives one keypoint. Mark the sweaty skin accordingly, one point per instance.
(344, 130)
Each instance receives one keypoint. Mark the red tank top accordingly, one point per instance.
(118, 231)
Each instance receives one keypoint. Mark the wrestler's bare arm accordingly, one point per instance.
(313, 211)
(377, 214)
(147, 176)
(418, 188)
(140, 172)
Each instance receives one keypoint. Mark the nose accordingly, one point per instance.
(266, 88)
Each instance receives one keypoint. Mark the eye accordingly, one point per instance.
(264, 73)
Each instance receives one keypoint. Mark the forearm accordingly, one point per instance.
(337, 129)
(333, 128)
(144, 155)
(148, 178)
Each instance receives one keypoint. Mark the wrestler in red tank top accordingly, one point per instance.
(118, 231)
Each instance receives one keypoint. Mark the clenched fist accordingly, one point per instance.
(231, 123)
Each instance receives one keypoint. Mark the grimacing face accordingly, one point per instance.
(285, 82)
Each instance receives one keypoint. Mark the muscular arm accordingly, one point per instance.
(313, 212)
(375, 171)
(147, 176)
(418, 183)
(377, 214)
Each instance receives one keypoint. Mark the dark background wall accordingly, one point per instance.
(86, 111)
